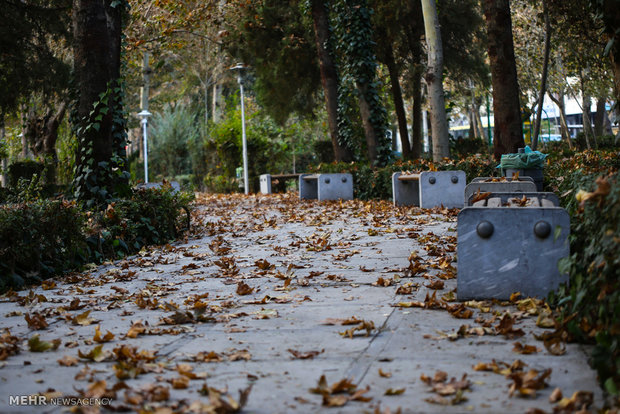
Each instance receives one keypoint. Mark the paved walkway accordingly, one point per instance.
(275, 293)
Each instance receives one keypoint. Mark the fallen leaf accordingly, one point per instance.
(305, 355)
(68, 361)
(519, 348)
(394, 391)
(97, 354)
(555, 396)
(244, 289)
(136, 329)
(83, 319)
(36, 321)
(101, 339)
(384, 374)
(35, 344)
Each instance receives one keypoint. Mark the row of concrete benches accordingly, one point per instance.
(510, 237)
(427, 189)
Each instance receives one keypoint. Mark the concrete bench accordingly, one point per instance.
(266, 181)
(507, 243)
(429, 189)
(532, 199)
(326, 186)
(499, 185)
(176, 187)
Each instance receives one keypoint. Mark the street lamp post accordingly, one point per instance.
(144, 122)
(239, 68)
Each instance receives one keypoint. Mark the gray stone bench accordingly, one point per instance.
(533, 199)
(176, 187)
(338, 186)
(496, 185)
(507, 243)
(266, 181)
(429, 189)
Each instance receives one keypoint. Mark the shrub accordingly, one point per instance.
(589, 303)
(44, 238)
(172, 131)
(148, 217)
(23, 169)
(38, 240)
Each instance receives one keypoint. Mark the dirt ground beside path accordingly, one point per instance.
(276, 305)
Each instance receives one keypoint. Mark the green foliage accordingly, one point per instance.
(589, 189)
(97, 183)
(24, 170)
(38, 240)
(148, 217)
(33, 35)
(354, 46)
(461, 147)
(266, 143)
(44, 238)
(276, 40)
(172, 133)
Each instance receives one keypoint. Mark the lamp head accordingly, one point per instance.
(144, 114)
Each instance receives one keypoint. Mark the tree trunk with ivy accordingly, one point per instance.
(355, 47)
(508, 134)
(434, 79)
(98, 118)
(329, 77)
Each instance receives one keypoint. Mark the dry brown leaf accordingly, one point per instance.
(555, 396)
(83, 319)
(101, 339)
(384, 374)
(305, 355)
(136, 329)
(519, 348)
(244, 289)
(394, 391)
(527, 383)
(36, 321)
(68, 361)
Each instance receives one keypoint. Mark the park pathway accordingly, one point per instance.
(340, 307)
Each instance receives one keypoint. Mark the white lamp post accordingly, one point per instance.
(144, 122)
(240, 67)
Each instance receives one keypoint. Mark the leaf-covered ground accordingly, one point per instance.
(276, 305)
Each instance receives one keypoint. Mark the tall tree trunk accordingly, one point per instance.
(478, 121)
(586, 109)
(414, 31)
(600, 117)
(508, 135)
(3, 160)
(615, 65)
(399, 106)
(434, 79)
(559, 101)
(369, 130)
(612, 17)
(329, 77)
(97, 63)
(543, 80)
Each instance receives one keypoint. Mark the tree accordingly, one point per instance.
(99, 118)
(329, 76)
(508, 136)
(355, 47)
(31, 34)
(543, 76)
(434, 80)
